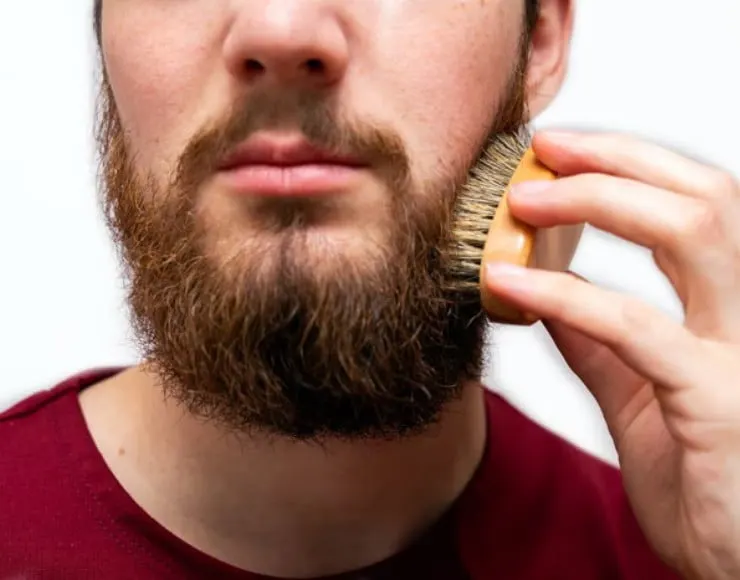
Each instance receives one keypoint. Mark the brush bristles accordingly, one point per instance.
(476, 205)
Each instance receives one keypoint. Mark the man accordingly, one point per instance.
(279, 177)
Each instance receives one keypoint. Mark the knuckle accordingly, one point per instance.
(702, 222)
(722, 186)
(587, 183)
(594, 189)
(634, 315)
(561, 287)
(609, 149)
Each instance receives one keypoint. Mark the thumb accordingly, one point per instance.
(611, 382)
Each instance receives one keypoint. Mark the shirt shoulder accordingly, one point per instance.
(47, 521)
(539, 507)
(29, 429)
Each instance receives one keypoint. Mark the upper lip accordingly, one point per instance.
(284, 151)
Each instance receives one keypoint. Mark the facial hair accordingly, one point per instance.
(281, 337)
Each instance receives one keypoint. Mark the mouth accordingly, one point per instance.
(272, 165)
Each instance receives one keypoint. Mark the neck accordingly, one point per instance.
(281, 507)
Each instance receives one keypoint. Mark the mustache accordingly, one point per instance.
(313, 115)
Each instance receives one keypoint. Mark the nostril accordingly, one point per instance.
(254, 66)
(311, 66)
(314, 65)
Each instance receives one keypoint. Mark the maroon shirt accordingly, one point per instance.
(537, 509)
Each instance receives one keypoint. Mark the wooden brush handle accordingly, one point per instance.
(512, 241)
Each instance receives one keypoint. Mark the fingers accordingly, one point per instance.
(645, 339)
(695, 241)
(620, 392)
(640, 213)
(630, 158)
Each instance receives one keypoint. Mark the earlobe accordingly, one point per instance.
(548, 53)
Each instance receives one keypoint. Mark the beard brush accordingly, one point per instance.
(484, 230)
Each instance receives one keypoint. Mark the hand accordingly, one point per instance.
(670, 392)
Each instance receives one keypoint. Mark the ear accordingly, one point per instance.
(549, 53)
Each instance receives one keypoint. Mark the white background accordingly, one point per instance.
(663, 69)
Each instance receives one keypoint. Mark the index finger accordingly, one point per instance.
(620, 155)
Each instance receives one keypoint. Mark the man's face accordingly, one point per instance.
(319, 309)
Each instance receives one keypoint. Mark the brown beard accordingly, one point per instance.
(283, 343)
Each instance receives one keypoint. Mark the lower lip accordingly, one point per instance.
(287, 181)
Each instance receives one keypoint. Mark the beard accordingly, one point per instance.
(268, 326)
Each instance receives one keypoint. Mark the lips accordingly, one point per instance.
(284, 152)
(270, 165)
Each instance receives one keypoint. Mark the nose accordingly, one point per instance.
(295, 42)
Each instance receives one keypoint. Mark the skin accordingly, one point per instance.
(668, 390)
(232, 272)
(233, 496)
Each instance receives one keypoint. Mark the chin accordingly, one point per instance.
(314, 255)
(301, 317)
(322, 235)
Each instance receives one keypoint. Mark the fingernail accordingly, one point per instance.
(559, 134)
(502, 273)
(530, 188)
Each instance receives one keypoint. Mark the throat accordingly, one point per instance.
(280, 507)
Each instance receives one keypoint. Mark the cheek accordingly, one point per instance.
(448, 80)
(157, 76)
